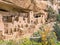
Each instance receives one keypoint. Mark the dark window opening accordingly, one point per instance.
(36, 22)
(26, 25)
(6, 31)
(37, 16)
(31, 21)
(14, 29)
(7, 18)
(59, 11)
(11, 31)
(24, 18)
(46, 10)
(16, 18)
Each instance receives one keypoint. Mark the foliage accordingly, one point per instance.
(1, 41)
(36, 34)
(58, 43)
(57, 30)
(27, 41)
(58, 17)
(51, 14)
(24, 41)
(48, 37)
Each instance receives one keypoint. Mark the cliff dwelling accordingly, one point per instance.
(17, 21)
(13, 23)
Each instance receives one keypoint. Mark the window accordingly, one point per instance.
(7, 18)
(37, 16)
(16, 19)
(6, 31)
(59, 11)
(26, 25)
(10, 31)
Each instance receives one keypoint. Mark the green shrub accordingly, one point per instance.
(36, 34)
(58, 17)
(57, 30)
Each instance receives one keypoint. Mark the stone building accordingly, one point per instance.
(16, 20)
(13, 23)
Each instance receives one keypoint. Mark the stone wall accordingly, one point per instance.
(20, 24)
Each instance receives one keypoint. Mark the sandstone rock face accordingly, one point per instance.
(29, 4)
(21, 3)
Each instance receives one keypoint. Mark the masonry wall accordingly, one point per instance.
(17, 25)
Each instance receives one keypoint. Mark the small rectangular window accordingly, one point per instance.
(7, 18)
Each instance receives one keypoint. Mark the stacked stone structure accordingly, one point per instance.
(17, 19)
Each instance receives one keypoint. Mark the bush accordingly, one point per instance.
(27, 41)
(48, 37)
(36, 34)
(57, 30)
(58, 17)
(24, 41)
